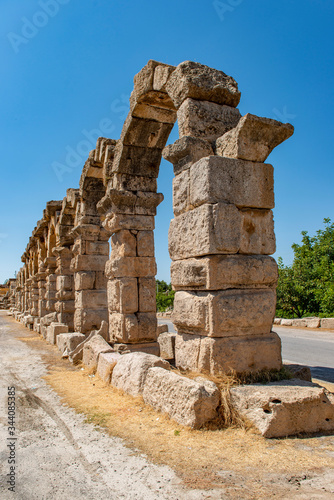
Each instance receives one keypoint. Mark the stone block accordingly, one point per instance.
(97, 248)
(136, 267)
(192, 79)
(161, 74)
(327, 323)
(128, 182)
(285, 408)
(257, 232)
(186, 151)
(227, 313)
(64, 282)
(217, 356)
(124, 244)
(145, 133)
(132, 328)
(123, 295)
(91, 299)
(136, 160)
(245, 184)
(131, 370)
(167, 344)
(300, 322)
(300, 371)
(209, 229)
(65, 307)
(117, 222)
(220, 272)
(54, 330)
(312, 322)
(147, 295)
(162, 328)
(146, 347)
(145, 244)
(86, 319)
(206, 120)
(105, 365)
(253, 138)
(286, 322)
(91, 262)
(277, 321)
(69, 341)
(189, 402)
(84, 280)
(92, 349)
(181, 192)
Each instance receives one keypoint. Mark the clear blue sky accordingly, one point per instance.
(73, 74)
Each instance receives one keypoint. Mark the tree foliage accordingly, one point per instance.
(307, 286)
(165, 296)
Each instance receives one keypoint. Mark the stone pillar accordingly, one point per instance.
(223, 231)
(90, 253)
(50, 284)
(65, 287)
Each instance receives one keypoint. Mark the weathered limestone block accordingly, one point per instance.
(130, 203)
(312, 322)
(89, 262)
(131, 370)
(54, 330)
(277, 321)
(221, 355)
(167, 344)
(206, 120)
(84, 280)
(153, 76)
(117, 222)
(132, 328)
(145, 244)
(136, 267)
(227, 313)
(327, 323)
(128, 182)
(92, 349)
(124, 244)
(162, 328)
(253, 138)
(105, 365)
(245, 184)
(91, 299)
(221, 229)
(186, 151)
(86, 319)
(146, 347)
(285, 408)
(145, 133)
(301, 372)
(257, 232)
(301, 322)
(181, 193)
(136, 160)
(123, 295)
(147, 295)
(69, 341)
(191, 79)
(286, 322)
(188, 402)
(220, 272)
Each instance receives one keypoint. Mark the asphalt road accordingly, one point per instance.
(313, 348)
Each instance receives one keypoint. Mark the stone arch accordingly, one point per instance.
(222, 232)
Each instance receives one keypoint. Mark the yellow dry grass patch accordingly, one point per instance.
(197, 455)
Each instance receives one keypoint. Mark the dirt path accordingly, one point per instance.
(59, 455)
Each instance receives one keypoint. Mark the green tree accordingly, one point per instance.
(307, 287)
(165, 296)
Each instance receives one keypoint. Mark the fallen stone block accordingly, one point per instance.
(166, 342)
(36, 326)
(220, 272)
(162, 329)
(286, 322)
(145, 347)
(105, 365)
(327, 323)
(131, 370)
(301, 322)
(76, 355)
(53, 330)
(92, 349)
(285, 408)
(206, 120)
(48, 319)
(69, 341)
(226, 313)
(253, 138)
(192, 79)
(277, 321)
(218, 356)
(189, 402)
(301, 372)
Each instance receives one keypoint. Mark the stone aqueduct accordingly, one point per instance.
(91, 257)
